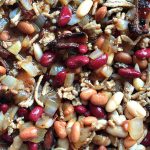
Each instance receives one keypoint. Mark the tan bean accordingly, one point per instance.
(84, 8)
(123, 58)
(144, 76)
(2, 70)
(100, 41)
(86, 94)
(127, 114)
(125, 125)
(138, 84)
(69, 110)
(4, 36)
(60, 129)
(75, 132)
(101, 13)
(28, 133)
(99, 99)
(102, 148)
(128, 142)
(25, 27)
(89, 120)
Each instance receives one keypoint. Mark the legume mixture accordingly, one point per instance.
(74, 74)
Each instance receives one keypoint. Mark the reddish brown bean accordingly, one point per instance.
(101, 13)
(141, 62)
(143, 53)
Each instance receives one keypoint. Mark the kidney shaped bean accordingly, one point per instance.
(129, 73)
(98, 62)
(32, 146)
(83, 48)
(80, 109)
(7, 138)
(74, 62)
(143, 53)
(4, 108)
(36, 113)
(23, 112)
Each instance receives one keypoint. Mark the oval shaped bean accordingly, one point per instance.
(86, 94)
(128, 142)
(89, 120)
(143, 53)
(101, 13)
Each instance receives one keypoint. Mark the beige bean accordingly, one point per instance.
(114, 102)
(89, 120)
(138, 83)
(125, 125)
(101, 13)
(4, 36)
(135, 109)
(127, 114)
(75, 132)
(128, 142)
(86, 94)
(60, 129)
(64, 143)
(69, 125)
(68, 110)
(28, 133)
(2, 70)
(100, 41)
(102, 148)
(101, 140)
(84, 8)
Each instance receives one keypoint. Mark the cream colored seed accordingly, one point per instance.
(138, 84)
(84, 8)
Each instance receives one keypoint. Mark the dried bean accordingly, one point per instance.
(143, 53)
(86, 94)
(101, 13)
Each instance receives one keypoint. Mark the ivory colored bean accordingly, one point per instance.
(101, 13)
(127, 114)
(102, 148)
(114, 102)
(99, 99)
(128, 142)
(69, 125)
(60, 129)
(75, 132)
(125, 125)
(89, 120)
(64, 143)
(84, 8)
(138, 84)
(135, 109)
(86, 94)
(28, 133)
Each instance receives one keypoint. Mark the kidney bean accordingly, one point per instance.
(97, 111)
(143, 53)
(98, 62)
(129, 73)
(23, 112)
(146, 140)
(87, 114)
(74, 62)
(80, 109)
(59, 79)
(65, 16)
(32, 146)
(83, 49)
(4, 108)
(7, 138)
(36, 113)
(48, 139)
(47, 59)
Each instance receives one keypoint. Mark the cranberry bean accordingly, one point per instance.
(129, 73)
(7, 138)
(59, 79)
(74, 62)
(47, 59)
(123, 58)
(36, 113)
(97, 111)
(146, 141)
(23, 112)
(65, 16)
(81, 109)
(4, 108)
(98, 62)
(83, 49)
(32, 146)
(143, 53)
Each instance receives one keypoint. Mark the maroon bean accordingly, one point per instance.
(74, 62)
(143, 53)
(7, 138)
(4, 108)
(65, 16)
(47, 59)
(23, 112)
(32, 146)
(129, 73)
(83, 48)
(36, 113)
(146, 140)
(81, 109)
(59, 79)
(98, 62)
(97, 111)
(86, 114)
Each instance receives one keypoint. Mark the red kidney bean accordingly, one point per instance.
(4, 108)
(81, 109)
(23, 112)
(83, 49)
(146, 140)
(7, 138)
(36, 113)
(97, 111)
(143, 53)
(74, 62)
(32, 146)
(129, 73)
(47, 59)
(86, 114)
(98, 62)
(59, 79)
(65, 16)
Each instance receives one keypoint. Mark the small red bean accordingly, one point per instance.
(36, 113)
(83, 49)
(81, 109)
(129, 73)
(86, 114)
(23, 112)
(4, 108)
(74, 62)
(65, 16)
(7, 138)
(32, 146)
(98, 62)
(143, 53)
